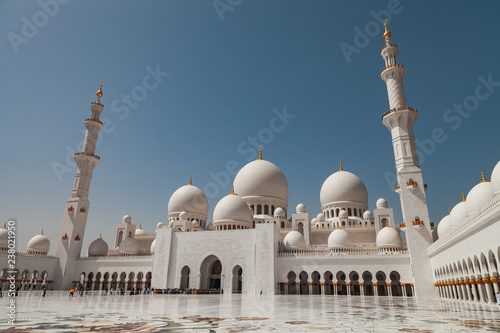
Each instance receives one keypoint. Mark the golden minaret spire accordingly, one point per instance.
(341, 168)
(232, 191)
(463, 196)
(99, 94)
(260, 152)
(387, 33)
(191, 179)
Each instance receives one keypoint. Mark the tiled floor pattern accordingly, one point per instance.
(237, 313)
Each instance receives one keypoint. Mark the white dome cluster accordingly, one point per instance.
(233, 210)
(477, 198)
(389, 238)
(128, 247)
(294, 241)
(261, 178)
(189, 199)
(339, 239)
(39, 244)
(98, 248)
(343, 186)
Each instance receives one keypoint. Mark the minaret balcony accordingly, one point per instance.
(97, 121)
(87, 154)
(388, 45)
(402, 225)
(411, 185)
(418, 222)
(391, 66)
(399, 109)
(397, 188)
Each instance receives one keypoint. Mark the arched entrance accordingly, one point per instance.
(237, 279)
(185, 277)
(211, 273)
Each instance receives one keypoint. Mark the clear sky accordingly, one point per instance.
(230, 63)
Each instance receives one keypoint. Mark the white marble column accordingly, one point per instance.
(489, 290)
(479, 283)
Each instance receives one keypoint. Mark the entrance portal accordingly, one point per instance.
(211, 273)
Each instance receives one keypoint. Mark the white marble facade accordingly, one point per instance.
(253, 247)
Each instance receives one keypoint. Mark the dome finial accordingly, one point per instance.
(140, 225)
(5, 225)
(463, 196)
(260, 152)
(484, 179)
(341, 168)
(449, 210)
(386, 223)
(387, 34)
(191, 179)
(100, 236)
(41, 232)
(232, 191)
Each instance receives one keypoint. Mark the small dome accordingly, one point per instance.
(188, 198)
(389, 237)
(381, 203)
(339, 239)
(495, 178)
(171, 223)
(129, 247)
(232, 208)
(320, 217)
(3, 238)
(261, 178)
(444, 227)
(139, 231)
(210, 226)
(39, 244)
(301, 208)
(153, 245)
(314, 220)
(458, 215)
(196, 224)
(127, 219)
(343, 186)
(294, 241)
(183, 215)
(98, 248)
(478, 196)
(279, 212)
(367, 215)
(343, 213)
(160, 225)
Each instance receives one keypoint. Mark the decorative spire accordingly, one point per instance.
(232, 191)
(293, 228)
(341, 168)
(386, 223)
(449, 210)
(463, 196)
(41, 232)
(140, 225)
(100, 236)
(484, 179)
(5, 225)
(191, 179)
(99, 93)
(387, 34)
(260, 152)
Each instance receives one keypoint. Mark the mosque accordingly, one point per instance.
(252, 246)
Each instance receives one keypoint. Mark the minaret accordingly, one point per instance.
(77, 206)
(411, 188)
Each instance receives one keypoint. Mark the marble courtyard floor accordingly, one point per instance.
(242, 313)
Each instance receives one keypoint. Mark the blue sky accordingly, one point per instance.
(229, 66)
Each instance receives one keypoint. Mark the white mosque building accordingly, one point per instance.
(253, 247)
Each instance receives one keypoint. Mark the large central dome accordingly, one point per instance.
(343, 186)
(261, 178)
